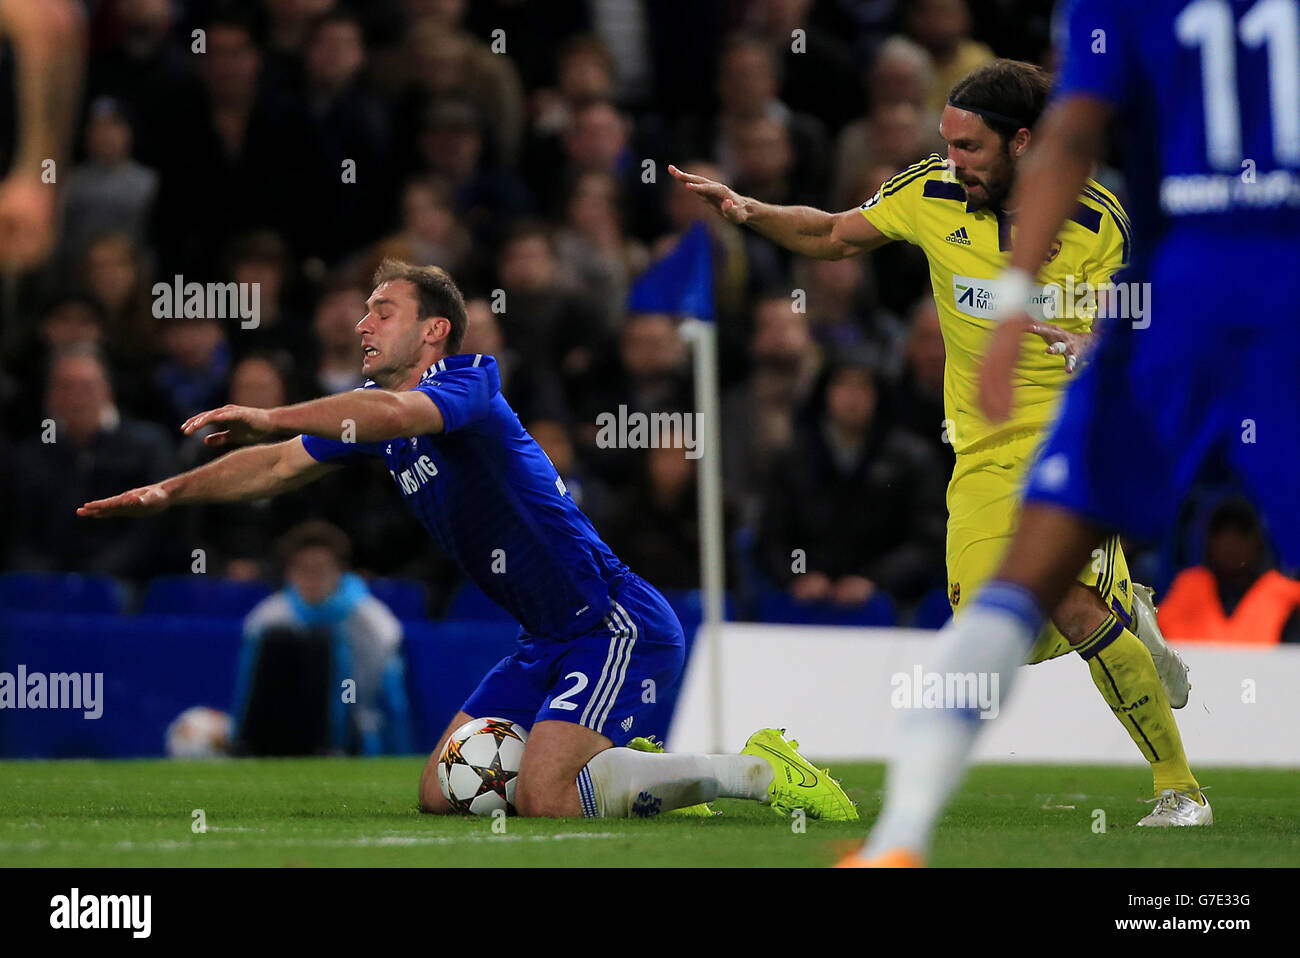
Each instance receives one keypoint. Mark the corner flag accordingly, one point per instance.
(681, 282)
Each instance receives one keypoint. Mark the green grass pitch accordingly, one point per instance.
(362, 812)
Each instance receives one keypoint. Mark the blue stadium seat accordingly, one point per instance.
(200, 595)
(689, 606)
(777, 606)
(404, 597)
(934, 610)
(471, 604)
(61, 592)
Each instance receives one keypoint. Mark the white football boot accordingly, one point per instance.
(1178, 809)
(1169, 664)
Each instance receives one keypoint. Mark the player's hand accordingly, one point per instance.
(1075, 347)
(244, 424)
(999, 363)
(144, 501)
(718, 195)
(26, 222)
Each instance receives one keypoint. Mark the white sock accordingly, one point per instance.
(936, 744)
(625, 783)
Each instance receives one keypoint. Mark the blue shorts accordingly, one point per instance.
(1216, 375)
(609, 679)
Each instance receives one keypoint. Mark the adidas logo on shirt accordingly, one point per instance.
(958, 236)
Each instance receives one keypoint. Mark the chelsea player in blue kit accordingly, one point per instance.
(1207, 98)
(594, 635)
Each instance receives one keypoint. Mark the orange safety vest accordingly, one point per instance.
(1191, 611)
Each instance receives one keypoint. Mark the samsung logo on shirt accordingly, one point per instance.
(410, 480)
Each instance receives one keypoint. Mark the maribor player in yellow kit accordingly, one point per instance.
(953, 210)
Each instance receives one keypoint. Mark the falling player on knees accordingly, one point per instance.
(593, 632)
(956, 211)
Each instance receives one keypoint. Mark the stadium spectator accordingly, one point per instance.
(748, 83)
(86, 448)
(758, 415)
(324, 605)
(656, 524)
(841, 304)
(902, 71)
(584, 73)
(348, 162)
(238, 537)
(115, 277)
(260, 261)
(534, 389)
(110, 191)
(861, 501)
(601, 139)
(819, 75)
(429, 226)
(191, 375)
(337, 366)
(143, 64)
(915, 402)
(653, 375)
(763, 159)
(943, 27)
(288, 35)
(233, 157)
(446, 62)
(487, 198)
(1237, 596)
(594, 249)
(260, 380)
(70, 322)
(545, 317)
(894, 136)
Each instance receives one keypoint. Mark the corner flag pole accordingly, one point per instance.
(704, 337)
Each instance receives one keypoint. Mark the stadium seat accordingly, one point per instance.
(471, 604)
(60, 592)
(777, 606)
(201, 595)
(934, 610)
(405, 598)
(689, 606)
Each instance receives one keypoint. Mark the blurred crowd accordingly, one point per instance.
(523, 146)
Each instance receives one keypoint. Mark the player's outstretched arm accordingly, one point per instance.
(245, 474)
(1066, 143)
(801, 229)
(363, 415)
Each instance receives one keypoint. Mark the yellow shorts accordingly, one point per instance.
(983, 506)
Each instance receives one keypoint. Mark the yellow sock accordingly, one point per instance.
(1123, 672)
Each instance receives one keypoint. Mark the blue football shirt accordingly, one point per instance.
(488, 494)
(1207, 94)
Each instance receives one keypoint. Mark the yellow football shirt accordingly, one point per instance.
(967, 251)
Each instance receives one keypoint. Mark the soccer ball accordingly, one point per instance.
(479, 766)
(199, 732)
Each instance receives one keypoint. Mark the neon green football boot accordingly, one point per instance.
(796, 782)
(648, 744)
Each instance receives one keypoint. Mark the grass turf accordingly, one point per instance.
(362, 812)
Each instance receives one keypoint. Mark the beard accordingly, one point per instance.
(996, 187)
